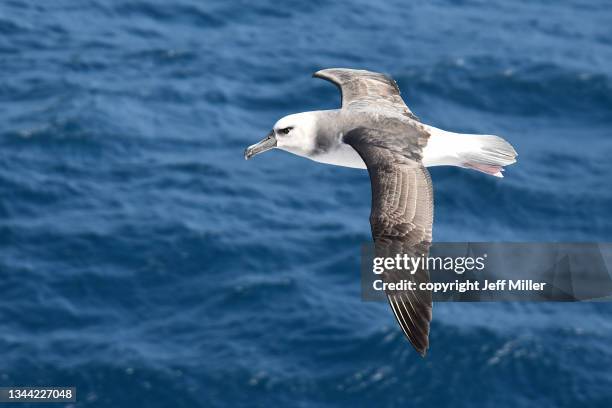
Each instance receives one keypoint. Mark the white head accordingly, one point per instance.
(295, 133)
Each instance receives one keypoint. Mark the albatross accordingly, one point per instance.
(375, 130)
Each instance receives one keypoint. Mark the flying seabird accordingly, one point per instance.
(375, 130)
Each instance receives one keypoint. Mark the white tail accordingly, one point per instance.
(486, 153)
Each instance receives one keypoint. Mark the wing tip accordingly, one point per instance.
(419, 339)
(324, 73)
(317, 74)
(421, 348)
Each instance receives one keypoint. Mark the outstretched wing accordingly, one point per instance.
(401, 219)
(362, 89)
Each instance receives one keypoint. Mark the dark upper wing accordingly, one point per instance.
(362, 89)
(401, 219)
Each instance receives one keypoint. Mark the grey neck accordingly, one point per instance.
(330, 129)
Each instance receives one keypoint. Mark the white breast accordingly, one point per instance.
(343, 155)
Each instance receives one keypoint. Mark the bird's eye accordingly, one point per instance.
(286, 130)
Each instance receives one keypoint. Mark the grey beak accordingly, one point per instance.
(268, 143)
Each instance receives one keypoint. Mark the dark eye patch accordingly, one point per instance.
(285, 130)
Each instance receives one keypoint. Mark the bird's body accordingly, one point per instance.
(443, 148)
(375, 130)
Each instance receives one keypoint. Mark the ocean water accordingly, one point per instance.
(143, 261)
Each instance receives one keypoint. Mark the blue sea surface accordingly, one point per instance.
(143, 261)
